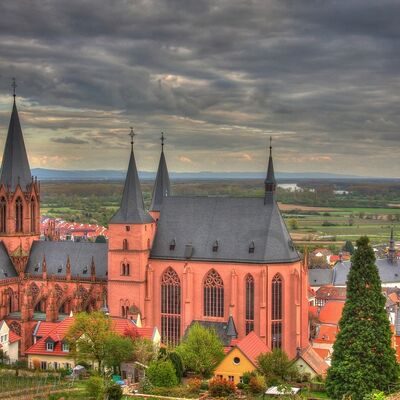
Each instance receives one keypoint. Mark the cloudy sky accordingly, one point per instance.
(219, 77)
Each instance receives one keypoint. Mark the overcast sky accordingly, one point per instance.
(219, 77)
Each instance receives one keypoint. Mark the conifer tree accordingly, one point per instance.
(363, 359)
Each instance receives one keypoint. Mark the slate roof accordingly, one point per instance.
(80, 255)
(131, 210)
(235, 222)
(162, 187)
(7, 269)
(388, 271)
(15, 166)
(320, 276)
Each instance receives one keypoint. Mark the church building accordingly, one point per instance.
(226, 262)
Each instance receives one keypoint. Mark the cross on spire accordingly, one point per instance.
(162, 141)
(132, 134)
(14, 86)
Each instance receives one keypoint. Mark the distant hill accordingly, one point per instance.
(71, 175)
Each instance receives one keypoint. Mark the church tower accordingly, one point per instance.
(162, 186)
(19, 196)
(131, 232)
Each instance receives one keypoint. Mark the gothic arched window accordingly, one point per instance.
(3, 215)
(33, 215)
(18, 215)
(276, 312)
(213, 295)
(170, 307)
(249, 304)
(125, 244)
(127, 269)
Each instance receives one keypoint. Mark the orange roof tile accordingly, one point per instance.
(326, 334)
(331, 312)
(45, 327)
(13, 337)
(323, 353)
(393, 297)
(313, 310)
(315, 361)
(252, 346)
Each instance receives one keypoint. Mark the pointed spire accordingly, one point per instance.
(270, 181)
(131, 210)
(392, 247)
(162, 187)
(231, 331)
(15, 166)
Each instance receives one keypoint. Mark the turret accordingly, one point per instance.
(162, 186)
(131, 231)
(392, 248)
(19, 192)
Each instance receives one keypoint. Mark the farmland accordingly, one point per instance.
(310, 216)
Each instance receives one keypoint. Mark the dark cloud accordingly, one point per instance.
(68, 140)
(219, 76)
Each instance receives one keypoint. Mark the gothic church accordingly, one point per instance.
(228, 263)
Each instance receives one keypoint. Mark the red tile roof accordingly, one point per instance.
(315, 361)
(329, 292)
(252, 346)
(57, 335)
(13, 337)
(120, 326)
(331, 312)
(323, 353)
(45, 327)
(326, 334)
(313, 310)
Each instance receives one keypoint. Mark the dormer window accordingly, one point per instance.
(50, 346)
(5, 273)
(251, 247)
(215, 246)
(36, 267)
(59, 270)
(172, 245)
(65, 347)
(85, 270)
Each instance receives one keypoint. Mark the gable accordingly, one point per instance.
(228, 366)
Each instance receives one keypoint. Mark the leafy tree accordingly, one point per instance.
(363, 359)
(276, 366)
(177, 362)
(117, 350)
(201, 350)
(143, 350)
(88, 335)
(348, 246)
(101, 239)
(162, 373)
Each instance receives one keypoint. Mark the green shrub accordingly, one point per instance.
(194, 385)
(204, 385)
(145, 386)
(220, 387)
(114, 392)
(257, 384)
(162, 373)
(240, 385)
(95, 387)
(247, 376)
(176, 360)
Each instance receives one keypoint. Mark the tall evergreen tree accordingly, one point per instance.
(363, 359)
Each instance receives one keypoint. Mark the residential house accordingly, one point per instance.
(9, 342)
(241, 358)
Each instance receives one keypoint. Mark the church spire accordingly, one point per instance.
(162, 187)
(392, 248)
(270, 182)
(131, 210)
(15, 166)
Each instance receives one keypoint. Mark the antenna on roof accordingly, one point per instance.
(14, 86)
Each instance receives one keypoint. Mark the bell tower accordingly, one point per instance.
(131, 232)
(19, 195)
